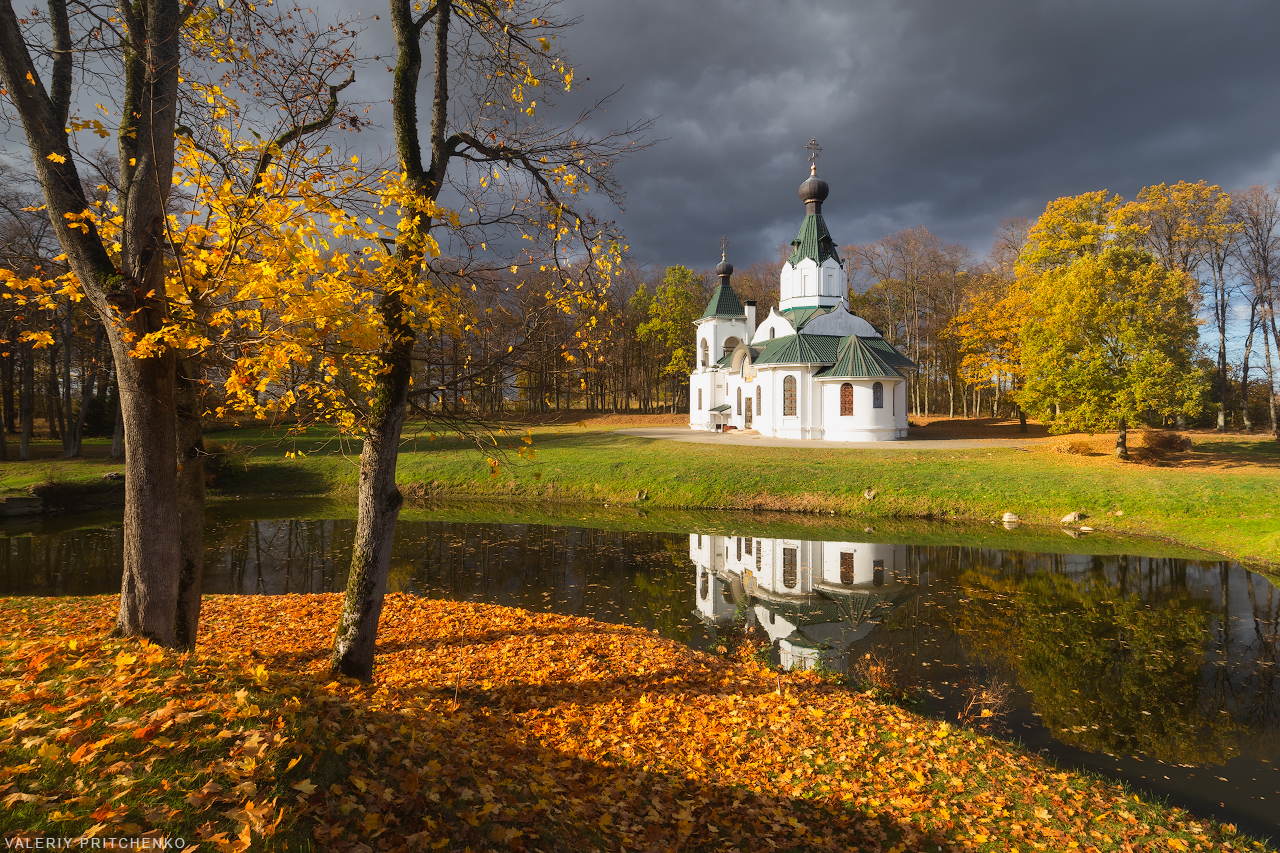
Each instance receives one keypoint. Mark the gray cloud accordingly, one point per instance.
(951, 114)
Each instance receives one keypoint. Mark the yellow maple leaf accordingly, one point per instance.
(56, 157)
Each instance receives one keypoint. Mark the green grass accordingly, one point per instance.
(1223, 496)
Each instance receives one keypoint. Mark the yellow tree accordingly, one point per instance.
(1109, 338)
(516, 175)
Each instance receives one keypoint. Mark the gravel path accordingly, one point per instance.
(909, 443)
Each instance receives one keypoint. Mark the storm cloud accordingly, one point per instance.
(944, 113)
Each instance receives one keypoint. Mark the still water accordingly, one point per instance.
(1159, 671)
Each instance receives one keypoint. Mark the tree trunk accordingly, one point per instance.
(149, 588)
(117, 436)
(190, 446)
(26, 405)
(1244, 369)
(379, 501)
(1122, 441)
(6, 376)
(1271, 377)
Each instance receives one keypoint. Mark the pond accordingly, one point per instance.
(1160, 670)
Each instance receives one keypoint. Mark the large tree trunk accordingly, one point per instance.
(149, 588)
(191, 454)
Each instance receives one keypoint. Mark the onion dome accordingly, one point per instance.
(724, 268)
(814, 188)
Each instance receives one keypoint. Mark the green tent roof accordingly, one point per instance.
(724, 303)
(856, 359)
(799, 317)
(723, 407)
(813, 241)
(889, 353)
(800, 349)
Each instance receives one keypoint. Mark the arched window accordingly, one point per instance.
(877, 396)
(739, 401)
(699, 399)
(759, 400)
(706, 352)
(747, 546)
(759, 554)
(877, 573)
(846, 399)
(730, 345)
(789, 397)
(771, 333)
(739, 547)
(846, 568)
(704, 586)
(790, 572)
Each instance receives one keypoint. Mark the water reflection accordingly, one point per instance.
(1162, 672)
(812, 599)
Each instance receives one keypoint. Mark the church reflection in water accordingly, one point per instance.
(812, 599)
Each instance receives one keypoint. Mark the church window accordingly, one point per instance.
(759, 400)
(789, 397)
(846, 399)
(739, 401)
(877, 573)
(759, 554)
(739, 547)
(846, 568)
(706, 352)
(877, 396)
(704, 586)
(699, 399)
(699, 541)
(771, 333)
(790, 572)
(748, 546)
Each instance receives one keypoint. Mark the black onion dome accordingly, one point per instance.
(724, 268)
(814, 189)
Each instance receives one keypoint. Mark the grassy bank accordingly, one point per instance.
(497, 729)
(1223, 495)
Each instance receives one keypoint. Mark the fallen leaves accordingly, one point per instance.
(493, 728)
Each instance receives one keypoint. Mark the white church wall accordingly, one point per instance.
(874, 563)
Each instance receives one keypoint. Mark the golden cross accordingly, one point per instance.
(814, 150)
(724, 245)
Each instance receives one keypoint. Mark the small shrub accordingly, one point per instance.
(223, 461)
(1162, 442)
(1078, 447)
(987, 705)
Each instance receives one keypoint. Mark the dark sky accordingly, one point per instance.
(947, 113)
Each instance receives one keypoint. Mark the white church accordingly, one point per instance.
(812, 369)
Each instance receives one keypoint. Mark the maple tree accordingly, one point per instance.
(123, 279)
(516, 176)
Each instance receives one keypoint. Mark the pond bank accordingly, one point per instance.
(500, 728)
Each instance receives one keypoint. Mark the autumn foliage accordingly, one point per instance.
(490, 728)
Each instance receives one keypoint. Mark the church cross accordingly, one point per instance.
(814, 150)
(724, 246)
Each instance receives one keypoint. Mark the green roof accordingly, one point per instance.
(799, 317)
(813, 241)
(725, 360)
(856, 359)
(724, 303)
(889, 353)
(723, 407)
(800, 349)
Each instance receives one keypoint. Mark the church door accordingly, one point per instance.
(747, 415)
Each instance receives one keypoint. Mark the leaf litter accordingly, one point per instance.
(493, 728)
